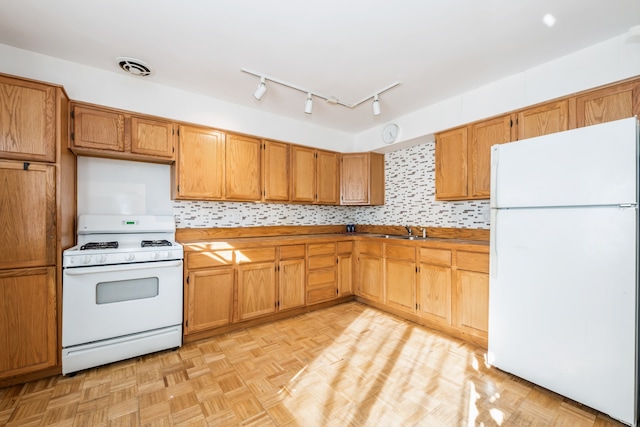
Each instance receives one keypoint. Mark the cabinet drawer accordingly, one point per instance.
(370, 248)
(473, 261)
(322, 278)
(435, 256)
(322, 248)
(320, 294)
(407, 253)
(345, 247)
(322, 261)
(209, 259)
(291, 251)
(255, 255)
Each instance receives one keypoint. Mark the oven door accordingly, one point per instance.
(111, 301)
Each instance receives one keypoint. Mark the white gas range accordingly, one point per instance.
(121, 290)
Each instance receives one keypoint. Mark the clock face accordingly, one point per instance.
(390, 133)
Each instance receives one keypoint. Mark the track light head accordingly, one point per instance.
(376, 105)
(308, 106)
(261, 90)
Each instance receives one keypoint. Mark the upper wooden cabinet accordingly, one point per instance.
(483, 135)
(362, 179)
(105, 132)
(452, 165)
(27, 120)
(327, 177)
(152, 137)
(314, 175)
(29, 235)
(463, 154)
(303, 174)
(607, 104)
(243, 168)
(199, 172)
(276, 167)
(543, 119)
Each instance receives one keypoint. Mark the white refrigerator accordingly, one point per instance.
(564, 264)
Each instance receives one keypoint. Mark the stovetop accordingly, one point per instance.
(123, 239)
(105, 253)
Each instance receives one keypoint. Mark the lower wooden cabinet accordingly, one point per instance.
(28, 337)
(256, 290)
(400, 277)
(472, 293)
(370, 271)
(322, 279)
(209, 298)
(345, 269)
(434, 289)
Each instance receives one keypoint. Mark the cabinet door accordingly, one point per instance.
(291, 284)
(28, 195)
(256, 290)
(434, 294)
(451, 165)
(472, 301)
(400, 284)
(200, 166)
(354, 179)
(152, 137)
(345, 274)
(28, 335)
(543, 120)
(328, 177)
(27, 120)
(608, 104)
(98, 129)
(276, 171)
(303, 174)
(209, 296)
(483, 136)
(370, 278)
(243, 168)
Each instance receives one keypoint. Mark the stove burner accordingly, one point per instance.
(99, 245)
(148, 243)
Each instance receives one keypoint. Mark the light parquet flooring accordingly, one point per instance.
(348, 365)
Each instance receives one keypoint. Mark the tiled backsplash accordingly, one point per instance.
(409, 200)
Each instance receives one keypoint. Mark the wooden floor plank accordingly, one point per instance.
(347, 365)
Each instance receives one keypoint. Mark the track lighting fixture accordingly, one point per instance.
(308, 106)
(376, 106)
(261, 90)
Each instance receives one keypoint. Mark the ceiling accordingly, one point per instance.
(347, 49)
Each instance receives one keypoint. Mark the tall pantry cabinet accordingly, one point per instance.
(37, 222)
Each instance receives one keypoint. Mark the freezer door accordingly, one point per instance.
(594, 165)
(562, 306)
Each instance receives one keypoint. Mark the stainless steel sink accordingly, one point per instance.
(404, 237)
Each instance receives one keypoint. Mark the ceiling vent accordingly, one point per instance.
(134, 66)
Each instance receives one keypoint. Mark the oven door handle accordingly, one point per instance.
(78, 271)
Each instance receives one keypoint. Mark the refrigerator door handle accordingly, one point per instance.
(493, 244)
(493, 182)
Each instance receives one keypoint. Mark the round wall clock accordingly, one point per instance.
(390, 133)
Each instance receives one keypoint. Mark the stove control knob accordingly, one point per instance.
(101, 258)
(129, 257)
(86, 259)
(155, 255)
(167, 255)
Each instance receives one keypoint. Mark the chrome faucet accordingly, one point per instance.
(408, 229)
